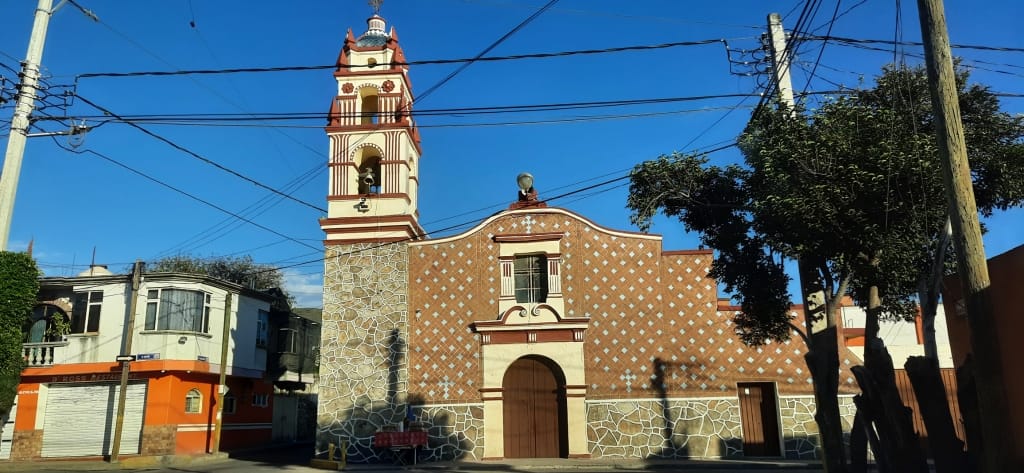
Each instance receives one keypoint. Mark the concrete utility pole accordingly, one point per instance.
(998, 445)
(20, 122)
(133, 304)
(822, 340)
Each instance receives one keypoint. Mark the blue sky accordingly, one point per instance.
(72, 203)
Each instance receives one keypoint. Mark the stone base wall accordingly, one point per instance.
(456, 432)
(27, 445)
(671, 428)
(159, 439)
(800, 431)
(697, 428)
(364, 375)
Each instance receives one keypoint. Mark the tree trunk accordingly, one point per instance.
(946, 448)
(823, 362)
(893, 419)
(859, 444)
(967, 394)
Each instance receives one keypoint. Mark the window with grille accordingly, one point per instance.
(531, 278)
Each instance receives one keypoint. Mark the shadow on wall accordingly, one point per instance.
(393, 410)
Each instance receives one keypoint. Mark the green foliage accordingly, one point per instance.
(854, 189)
(240, 270)
(20, 278)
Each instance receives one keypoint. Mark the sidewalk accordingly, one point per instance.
(523, 464)
(596, 464)
(134, 462)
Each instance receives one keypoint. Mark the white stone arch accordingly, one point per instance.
(367, 158)
(369, 104)
(496, 360)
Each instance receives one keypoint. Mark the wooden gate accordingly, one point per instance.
(759, 415)
(534, 411)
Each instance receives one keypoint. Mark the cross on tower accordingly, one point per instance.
(447, 383)
(528, 222)
(376, 6)
(628, 377)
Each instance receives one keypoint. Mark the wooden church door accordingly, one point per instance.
(534, 411)
(759, 416)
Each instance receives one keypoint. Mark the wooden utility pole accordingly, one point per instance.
(997, 446)
(129, 330)
(222, 386)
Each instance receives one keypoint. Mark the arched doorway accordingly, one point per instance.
(534, 409)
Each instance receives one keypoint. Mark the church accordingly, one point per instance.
(536, 333)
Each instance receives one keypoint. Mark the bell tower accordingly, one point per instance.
(374, 143)
(372, 216)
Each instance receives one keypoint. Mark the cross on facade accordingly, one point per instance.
(628, 377)
(446, 384)
(376, 6)
(528, 222)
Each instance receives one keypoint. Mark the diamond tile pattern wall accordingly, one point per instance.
(655, 325)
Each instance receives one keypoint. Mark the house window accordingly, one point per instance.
(193, 402)
(178, 309)
(287, 339)
(85, 315)
(262, 322)
(230, 403)
(260, 400)
(531, 278)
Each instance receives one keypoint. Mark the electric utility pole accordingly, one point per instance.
(997, 444)
(822, 340)
(20, 122)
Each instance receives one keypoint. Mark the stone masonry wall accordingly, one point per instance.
(364, 345)
(456, 431)
(696, 428)
(159, 439)
(27, 445)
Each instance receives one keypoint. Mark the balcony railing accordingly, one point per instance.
(41, 354)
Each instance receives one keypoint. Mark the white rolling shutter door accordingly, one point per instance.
(80, 418)
(7, 438)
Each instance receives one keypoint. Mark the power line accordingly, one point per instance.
(460, 111)
(409, 63)
(486, 50)
(203, 159)
(889, 42)
(476, 220)
(182, 192)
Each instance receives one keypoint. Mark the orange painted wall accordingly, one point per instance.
(28, 402)
(1006, 285)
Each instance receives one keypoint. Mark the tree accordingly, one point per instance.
(18, 293)
(852, 190)
(240, 270)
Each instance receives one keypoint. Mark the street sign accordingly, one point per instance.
(125, 358)
(147, 356)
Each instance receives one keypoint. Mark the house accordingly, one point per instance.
(536, 333)
(69, 389)
(292, 366)
(904, 339)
